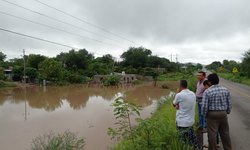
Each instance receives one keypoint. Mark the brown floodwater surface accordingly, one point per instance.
(26, 113)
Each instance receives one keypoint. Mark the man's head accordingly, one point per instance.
(201, 75)
(213, 79)
(206, 84)
(183, 84)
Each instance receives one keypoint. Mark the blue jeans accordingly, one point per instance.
(202, 119)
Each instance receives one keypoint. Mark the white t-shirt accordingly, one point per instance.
(186, 112)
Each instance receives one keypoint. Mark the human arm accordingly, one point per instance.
(176, 101)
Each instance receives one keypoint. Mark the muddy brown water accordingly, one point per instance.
(28, 112)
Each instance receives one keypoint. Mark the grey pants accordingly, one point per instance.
(217, 122)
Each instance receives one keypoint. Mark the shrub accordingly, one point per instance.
(52, 141)
(111, 80)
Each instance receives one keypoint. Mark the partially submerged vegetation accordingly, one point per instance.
(4, 84)
(64, 141)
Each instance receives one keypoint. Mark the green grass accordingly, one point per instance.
(235, 78)
(176, 76)
(64, 141)
(159, 131)
(4, 84)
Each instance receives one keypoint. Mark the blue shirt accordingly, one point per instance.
(216, 98)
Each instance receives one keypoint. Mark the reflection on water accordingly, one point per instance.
(28, 112)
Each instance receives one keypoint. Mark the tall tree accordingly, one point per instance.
(136, 57)
(246, 63)
(2, 56)
(34, 60)
(74, 60)
(51, 70)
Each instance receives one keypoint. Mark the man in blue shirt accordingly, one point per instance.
(216, 105)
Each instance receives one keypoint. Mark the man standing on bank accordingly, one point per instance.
(216, 105)
(184, 102)
(199, 93)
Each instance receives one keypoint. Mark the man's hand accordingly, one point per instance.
(176, 106)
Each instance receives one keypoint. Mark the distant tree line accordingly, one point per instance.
(80, 66)
(231, 66)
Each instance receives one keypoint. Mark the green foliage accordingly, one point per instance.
(17, 73)
(214, 65)
(2, 56)
(136, 57)
(51, 70)
(155, 62)
(34, 60)
(229, 65)
(32, 73)
(74, 60)
(246, 64)
(52, 141)
(74, 77)
(123, 113)
(235, 78)
(1, 74)
(111, 80)
(157, 132)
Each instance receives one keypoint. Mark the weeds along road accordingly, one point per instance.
(239, 119)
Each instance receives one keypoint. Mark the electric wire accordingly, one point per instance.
(58, 20)
(84, 21)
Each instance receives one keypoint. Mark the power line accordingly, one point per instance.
(55, 19)
(84, 21)
(44, 40)
(58, 29)
(37, 38)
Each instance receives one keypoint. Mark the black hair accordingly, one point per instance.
(206, 82)
(183, 83)
(213, 78)
(203, 73)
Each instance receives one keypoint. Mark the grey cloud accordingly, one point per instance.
(165, 26)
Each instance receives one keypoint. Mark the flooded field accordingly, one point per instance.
(32, 111)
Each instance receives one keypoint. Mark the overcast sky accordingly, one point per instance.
(200, 31)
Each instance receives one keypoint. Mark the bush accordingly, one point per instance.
(111, 80)
(157, 132)
(52, 141)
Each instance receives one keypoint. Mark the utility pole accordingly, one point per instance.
(24, 69)
(171, 57)
(176, 58)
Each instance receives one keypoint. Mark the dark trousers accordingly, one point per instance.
(188, 136)
(217, 122)
(202, 119)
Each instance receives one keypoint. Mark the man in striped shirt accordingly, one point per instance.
(216, 105)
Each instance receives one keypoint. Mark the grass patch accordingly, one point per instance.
(235, 78)
(64, 141)
(4, 84)
(157, 132)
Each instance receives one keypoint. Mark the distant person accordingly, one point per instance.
(184, 102)
(199, 93)
(216, 105)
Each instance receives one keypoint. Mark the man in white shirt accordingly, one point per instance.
(185, 102)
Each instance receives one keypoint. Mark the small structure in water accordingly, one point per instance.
(124, 78)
